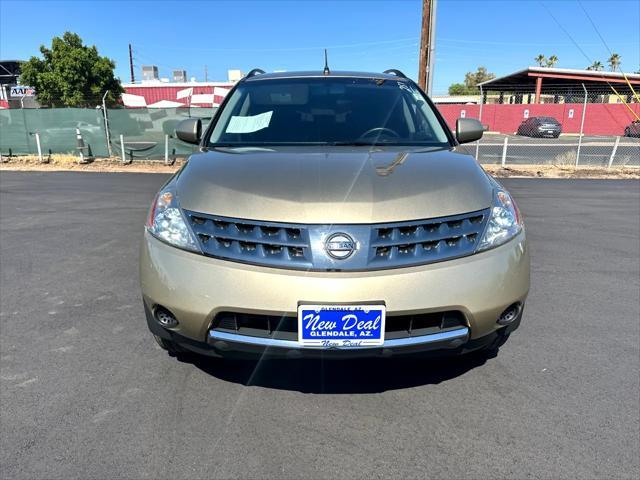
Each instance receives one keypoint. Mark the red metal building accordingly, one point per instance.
(168, 95)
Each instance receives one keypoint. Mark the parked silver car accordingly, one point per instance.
(540, 127)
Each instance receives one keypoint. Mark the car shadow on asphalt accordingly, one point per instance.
(339, 376)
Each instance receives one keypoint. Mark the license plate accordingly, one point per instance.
(550, 131)
(341, 326)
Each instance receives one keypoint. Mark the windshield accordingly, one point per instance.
(327, 111)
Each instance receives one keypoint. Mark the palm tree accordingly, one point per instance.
(540, 59)
(614, 61)
(597, 66)
(552, 61)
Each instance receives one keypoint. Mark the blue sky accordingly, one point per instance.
(373, 35)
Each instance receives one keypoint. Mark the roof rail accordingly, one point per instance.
(254, 72)
(397, 73)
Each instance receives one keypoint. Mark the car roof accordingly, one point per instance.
(319, 74)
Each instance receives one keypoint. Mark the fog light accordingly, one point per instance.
(510, 314)
(165, 318)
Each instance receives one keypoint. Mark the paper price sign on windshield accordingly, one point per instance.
(249, 124)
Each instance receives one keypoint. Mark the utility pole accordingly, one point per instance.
(427, 46)
(432, 46)
(206, 77)
(131, 64)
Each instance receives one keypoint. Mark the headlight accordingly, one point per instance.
(167, 223)
(504, 223)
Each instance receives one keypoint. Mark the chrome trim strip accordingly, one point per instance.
(394, 343)
(436, 337)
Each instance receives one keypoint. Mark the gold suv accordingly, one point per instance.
(332, 213)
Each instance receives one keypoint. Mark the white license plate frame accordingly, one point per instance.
(366, 315)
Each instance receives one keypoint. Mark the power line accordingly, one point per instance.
(573, 40)
(350, 45)
(148, 61)
(381, 49)
(587, 57)
(566, 32)
(594, 26)
(605, 44)
(520, 44)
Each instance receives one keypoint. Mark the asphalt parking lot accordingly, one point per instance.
(86, 393)
(594, 151)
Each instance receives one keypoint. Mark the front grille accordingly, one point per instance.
(427, 241)
(286, 327)
(300, 246)
(253, 242)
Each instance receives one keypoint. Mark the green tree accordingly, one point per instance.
(71, 74)
(597, 66)
(614, 61)
(552, 60)
(472, 79)
(540, 60)
(460, 89)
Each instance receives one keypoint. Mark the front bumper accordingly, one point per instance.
(195, 288)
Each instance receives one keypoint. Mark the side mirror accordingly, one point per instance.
(468, 130)
(189, 130)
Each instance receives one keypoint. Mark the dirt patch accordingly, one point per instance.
(562, 171)
(56, 163)
(70, 163)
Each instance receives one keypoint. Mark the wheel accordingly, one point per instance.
(168, 345)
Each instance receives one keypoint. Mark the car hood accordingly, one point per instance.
(333, 185)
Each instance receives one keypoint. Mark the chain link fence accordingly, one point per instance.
(144, 133)
(586, 126)
(594, 151)
(560, 125)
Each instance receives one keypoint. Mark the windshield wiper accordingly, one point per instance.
(354, 144)
(264, 144)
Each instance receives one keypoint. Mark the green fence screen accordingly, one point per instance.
(143, 130)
